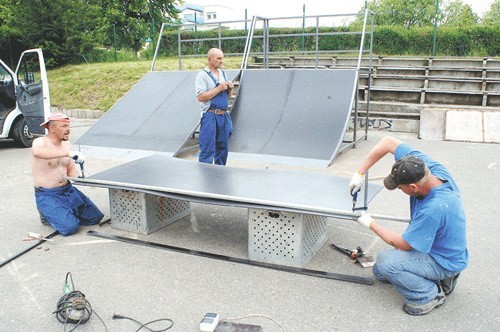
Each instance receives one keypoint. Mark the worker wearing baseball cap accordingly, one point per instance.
(431, 253)
(60, 204)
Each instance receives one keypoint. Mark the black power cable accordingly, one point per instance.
(73, 307)
(115, 316)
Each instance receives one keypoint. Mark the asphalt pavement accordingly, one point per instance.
(147, 283)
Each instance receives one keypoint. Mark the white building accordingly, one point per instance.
(208, 15)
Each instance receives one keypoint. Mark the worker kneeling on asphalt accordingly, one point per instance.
(430, 254)
(60, 204)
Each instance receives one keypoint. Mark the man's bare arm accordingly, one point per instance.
(394, 239)
(41, 150)
(384, 146)
(210, 94)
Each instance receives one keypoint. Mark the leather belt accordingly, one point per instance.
(217, 111)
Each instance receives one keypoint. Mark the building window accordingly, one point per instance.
(211, 16)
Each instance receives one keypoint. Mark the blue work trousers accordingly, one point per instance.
(415, 275)
(215, 131)
(66, 208)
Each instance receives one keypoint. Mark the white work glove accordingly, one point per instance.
(356, 182)
(365, 219)
(77, 157)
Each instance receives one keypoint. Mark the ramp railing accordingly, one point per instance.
(368, 71)
(278, 37)
(322, 31)
(237, 79)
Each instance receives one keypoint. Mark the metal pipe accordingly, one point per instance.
(179, 51)
(157, 48)
(435, 29)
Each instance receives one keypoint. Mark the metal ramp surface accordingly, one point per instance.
(296, 116)
(284, 190)
(157, 115)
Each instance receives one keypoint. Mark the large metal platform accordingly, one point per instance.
(287, 208)
(307, 192)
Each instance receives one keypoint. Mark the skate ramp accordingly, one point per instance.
(158, 114)
(296, 116)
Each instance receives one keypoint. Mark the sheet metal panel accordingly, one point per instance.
(159, 113)
(306, 192)
(298, 113)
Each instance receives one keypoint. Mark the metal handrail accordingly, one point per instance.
(248, 44)
(266, 36)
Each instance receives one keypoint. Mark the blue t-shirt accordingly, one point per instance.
(438, 220)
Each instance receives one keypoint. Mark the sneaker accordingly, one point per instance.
(419, 309)
(449, 284)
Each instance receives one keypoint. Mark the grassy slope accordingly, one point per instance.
(98, 86)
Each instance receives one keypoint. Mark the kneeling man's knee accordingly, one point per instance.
(386, 260)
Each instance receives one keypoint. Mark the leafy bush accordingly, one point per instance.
(476, 40)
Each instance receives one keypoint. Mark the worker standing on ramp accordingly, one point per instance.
(60, 204)
(430, 254)
(213, 91)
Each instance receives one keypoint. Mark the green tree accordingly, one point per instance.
(131, 20)
(492, 17)
(56, 26)
(410, 13)
(458, 14)
(4, 15)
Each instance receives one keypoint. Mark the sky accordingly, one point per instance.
(281, 8)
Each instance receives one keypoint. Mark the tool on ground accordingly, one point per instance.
(73, 307)
(10, 259)
(358, 255)
(35, 236)
(209, 322)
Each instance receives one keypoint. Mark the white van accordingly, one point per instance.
(24, 98)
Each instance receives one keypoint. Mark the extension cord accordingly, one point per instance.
(209, 322)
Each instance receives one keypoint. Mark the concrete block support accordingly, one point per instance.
(432, 124)
(464, 126)
(460, 125)
(492, 127)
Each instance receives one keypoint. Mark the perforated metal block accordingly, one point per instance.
(144, 213)
(284, 238)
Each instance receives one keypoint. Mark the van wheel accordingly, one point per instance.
(21, 133)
